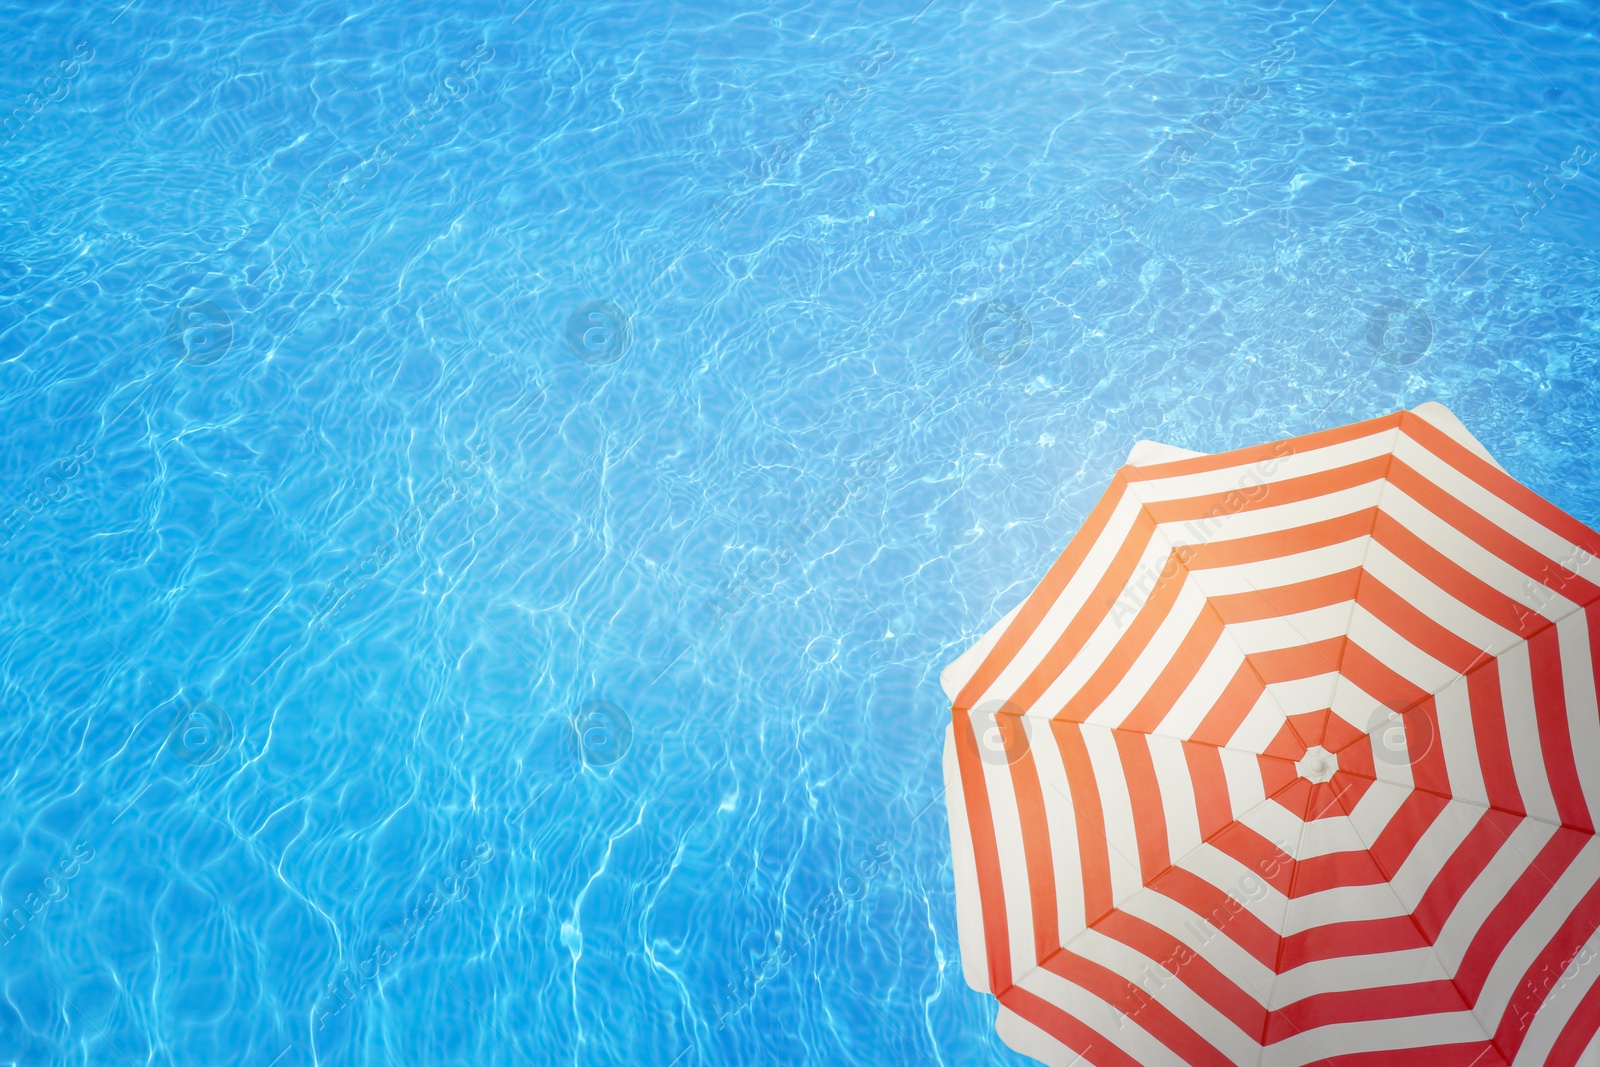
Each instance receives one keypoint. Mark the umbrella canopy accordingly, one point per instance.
(1291, 758)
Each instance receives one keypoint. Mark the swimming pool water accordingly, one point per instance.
(487, 491)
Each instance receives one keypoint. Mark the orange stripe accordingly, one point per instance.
(1154, 1017)
(1231, 708)
(1470, 859)
(1215, 554)
(1514, 909)
(1360, 1005)
(1494, 744)
(1253, 454)
(1210, 787)
(1149, 816)
(1074, 1035)
(1217, 506)
(1093, 848)
(1085, 622)
(1317, 874)
(1309, 595)
(1378, 680)
(1038, 853)
(1258, 854)
(1500, 483)
(1276, 544)
(1177, 675)
(1115, 666)
(1539, 980)
(1044, 595)
(1297, 662)
(1361, 937)
(985, 853)
(1580, 1030)
(1222, 912)
(1182, 964)
(1492, 537)
(1405, 829)
(1450, 576)
(1422, 630)
(1555, 736)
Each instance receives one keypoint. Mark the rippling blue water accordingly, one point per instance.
(487, 493)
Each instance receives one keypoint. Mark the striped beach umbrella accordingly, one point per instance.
(1292, 757)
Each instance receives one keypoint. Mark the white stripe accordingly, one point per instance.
(1432, 851)
(1391, 649)
(1523, 527)
(1150, 979)
(1522, 729)
(964, 865)
(1437, 603)
(1471, 913)
(1116, 804)
(1378, 1035)
(955, 677)
(1121, 1031)
(1144, 671)
(1459, 739)
(1292, 630)
(1567, 987)
(1583, 723)
(1286, 517)
(1237, 880)
(1177, 794)
(1299, 463)
(1203, 691)
(1352, 903)
(1328, 836)
(1374, 970)
(1375, 809)
(1060, 614)
(1364, 711)
(1013, 859)
(1261, 726)
(1302, 696)
(1022, 1036)
(1443, 418)
(1243, 774)
(1536, 933)
(1207, 936)
(1065, 849)
(1454, 545)
(1256, 577)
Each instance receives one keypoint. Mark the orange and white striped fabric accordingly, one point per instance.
(1293, 757)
